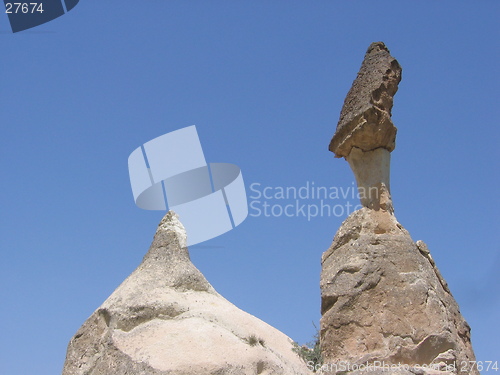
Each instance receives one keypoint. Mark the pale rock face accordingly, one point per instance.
(165, 318)
(372, 170)
(384, 300)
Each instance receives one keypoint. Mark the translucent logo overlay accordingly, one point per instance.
(171, 171)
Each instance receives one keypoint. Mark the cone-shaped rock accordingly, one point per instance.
(383, 300)
(166, 318)
(384, 303)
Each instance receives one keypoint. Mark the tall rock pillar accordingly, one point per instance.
(385, 306)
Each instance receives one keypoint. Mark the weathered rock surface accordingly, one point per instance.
(365, 119)
(384, 301)
(165, 318)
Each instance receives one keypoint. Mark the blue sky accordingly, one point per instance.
(264, 83)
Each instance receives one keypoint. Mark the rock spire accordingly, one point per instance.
(384, 303)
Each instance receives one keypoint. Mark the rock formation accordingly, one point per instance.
(166, 318)
(365, 133)
(384, 303)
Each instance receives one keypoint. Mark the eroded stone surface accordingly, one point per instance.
(383, 299)
(365, 120)
(166, 318)
(372, 172)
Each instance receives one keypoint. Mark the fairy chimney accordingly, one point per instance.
(385, 306)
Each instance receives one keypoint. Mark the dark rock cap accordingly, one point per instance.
(365, 119)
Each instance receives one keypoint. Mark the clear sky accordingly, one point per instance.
(264, 82)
